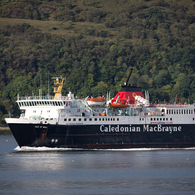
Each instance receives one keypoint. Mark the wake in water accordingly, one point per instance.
(45, 149)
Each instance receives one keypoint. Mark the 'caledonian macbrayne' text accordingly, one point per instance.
(146, 128)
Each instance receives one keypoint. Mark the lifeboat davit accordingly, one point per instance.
(99, 101)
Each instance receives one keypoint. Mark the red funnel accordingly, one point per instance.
(128, 94)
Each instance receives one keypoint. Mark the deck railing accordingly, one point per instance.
(41, 98)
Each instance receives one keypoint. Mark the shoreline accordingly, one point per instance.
(4, 129)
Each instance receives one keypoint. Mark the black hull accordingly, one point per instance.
(104, 136)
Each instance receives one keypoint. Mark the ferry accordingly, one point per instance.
(68, 122)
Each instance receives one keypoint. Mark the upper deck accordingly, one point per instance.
(31, 101)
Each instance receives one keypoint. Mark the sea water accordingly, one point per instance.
(64, 171)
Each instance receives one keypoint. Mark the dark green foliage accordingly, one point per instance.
(95, 16)
(154, 13)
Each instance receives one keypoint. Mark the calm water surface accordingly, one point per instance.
(47, 171)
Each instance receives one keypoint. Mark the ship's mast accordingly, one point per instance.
(40, 90)
(48, 85)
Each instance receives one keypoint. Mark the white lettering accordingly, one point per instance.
(117, 128)
(101, 128)
(170, 130)
(174, 128)
(166, 128)
(155, 128)
(112, 129)
(122, 129)
(138, 129)
(126, 129)
(146, 128)
(159, 128)
(105, 129)
(151, 129)
(133, 129)
(179, 128)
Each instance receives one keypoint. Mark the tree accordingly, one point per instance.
(100, 89)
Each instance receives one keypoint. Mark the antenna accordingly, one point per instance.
(40, 90)
(48, 84)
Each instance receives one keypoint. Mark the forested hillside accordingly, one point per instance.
(94, 43)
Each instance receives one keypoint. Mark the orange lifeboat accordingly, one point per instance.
(118, 105)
